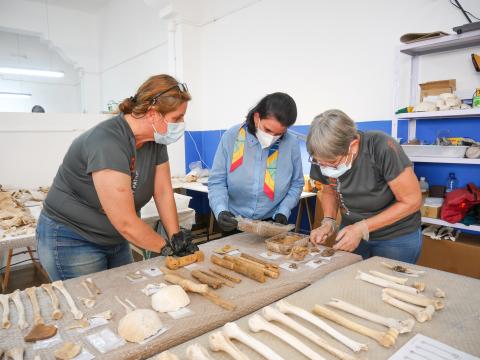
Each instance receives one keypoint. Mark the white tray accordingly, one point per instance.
(435, 151)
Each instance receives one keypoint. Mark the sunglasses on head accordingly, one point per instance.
(182, 87)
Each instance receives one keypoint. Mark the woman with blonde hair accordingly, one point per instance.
(108, 174)
(368, 176)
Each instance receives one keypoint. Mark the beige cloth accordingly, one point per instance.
(248, 296)
(457, 325)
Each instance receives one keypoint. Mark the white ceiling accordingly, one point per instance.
(90, 6)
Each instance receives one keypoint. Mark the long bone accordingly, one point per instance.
(272, 314)
(37, 316)
(77, 314)
(395, 279)
(198, 352)
(232, 331)
(257, 323)
(386, 339)
(419, 300)
(287, 308)
(57, 314)
(385, 283)
(421, 314)
(402, 326)
(17, 300)
(219, 342)
(4, 300)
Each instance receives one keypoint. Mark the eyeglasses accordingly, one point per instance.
(311, 160)
(182, 87)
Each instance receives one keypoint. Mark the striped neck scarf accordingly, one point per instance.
(271, 168)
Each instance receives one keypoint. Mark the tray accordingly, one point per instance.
(283, 243)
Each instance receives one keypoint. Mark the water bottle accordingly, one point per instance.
(452, 182)
(424, 187)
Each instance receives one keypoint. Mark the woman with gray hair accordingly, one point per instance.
(368, 176)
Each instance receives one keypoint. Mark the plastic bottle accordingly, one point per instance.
(452, 182)
(424, 187)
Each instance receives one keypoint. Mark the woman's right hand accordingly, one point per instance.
(320, 235)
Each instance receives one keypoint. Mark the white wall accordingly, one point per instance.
(325, 54)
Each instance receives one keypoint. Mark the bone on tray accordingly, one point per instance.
(174, 263)
(247, 270)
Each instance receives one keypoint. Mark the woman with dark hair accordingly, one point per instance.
(108, 174)
(257, 170)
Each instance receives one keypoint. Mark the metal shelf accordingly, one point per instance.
(433, 221)
(431, 159)
(467, 113)
(444, 43)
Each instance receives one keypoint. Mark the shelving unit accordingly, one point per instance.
(433, 221)
(444, 160)
(448, 114)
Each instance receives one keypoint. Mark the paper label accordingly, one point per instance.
(105, 340)
(272, 256)
(286, 266)
(180, 313)
(153, 271)
(160, 332)
(44, 344)
(93, 323)
(234, 253)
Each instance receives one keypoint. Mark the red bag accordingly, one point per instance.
(459, 202)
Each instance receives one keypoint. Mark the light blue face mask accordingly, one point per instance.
(336, 172)
(174, 133)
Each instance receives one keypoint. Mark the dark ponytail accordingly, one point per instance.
(279, 105)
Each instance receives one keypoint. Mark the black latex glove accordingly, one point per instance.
(181, 244)
(281, 219)
(227, 221)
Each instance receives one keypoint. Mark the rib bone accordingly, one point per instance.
(85, 285)
(402, 326)
(419, 300)
(37, 316)
(421, 314)
(219, 342)
(94, 286)
(22, 324)
(386, 339)
(257, 324)
(15, 353)
(395, 279)
(57, 314)
(232, 331)
(125, 306)
(198, 352)
(287, 308)
(385, 283)
(77, 314)
(4, 299)
(272, 314)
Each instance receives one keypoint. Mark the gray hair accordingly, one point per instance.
(330, 135)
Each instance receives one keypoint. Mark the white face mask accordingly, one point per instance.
(174, 133)
(265, 139)
(341, 169)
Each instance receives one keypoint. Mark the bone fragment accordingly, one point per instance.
(130, 303)
(395, 279)
(107, 315)
(233, 331)
(22, 324)
(37, 316)
(4, 300)
(87, 302)
(404, 270)
(79, 324)
(94, 286)
(419, 300)
(386, 339)
(166, 355)
(287, 308)
(125, 306)
(226, 276)
(67, 351)
(402, 326)
(421, 314)
(198, 352)
(420, 286)
(219, 342)
(257, 323)
(15, 353)
(77, 314)
(85, 285)
(57, 314)
(40, 332)
(272, 314)
(385, 283)
(439, 293)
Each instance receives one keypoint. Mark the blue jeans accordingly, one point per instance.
(404, 248)
(65, 254)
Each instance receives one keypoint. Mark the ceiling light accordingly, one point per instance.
(31, 72)
(10, 95)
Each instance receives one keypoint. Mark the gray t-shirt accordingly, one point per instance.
(363, 190)
(73, 200)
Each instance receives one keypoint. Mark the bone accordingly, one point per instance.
(57, 314)
(420, 286)
(166, 355)
(439, 293)
(87, 302)
(385, 283)
(419, 300)
(226, 276)
(94, 286)
(174, 263)
(272, 314)
(198, 352)
(40, 332)
(15, 353)
(402, 326)
(125, 306)
(232, 331)
(219, 342)
(404, 270)
(218, 278)
(257, 323)
(395, 279)
(130, 303)
(420, 314)
(67, 351)
(107, 315)
(77, 314)
(79, 324)
(22, 324)
(287, 308)
(85, 285)
(386, 339)
(4, 300)
(37, 316)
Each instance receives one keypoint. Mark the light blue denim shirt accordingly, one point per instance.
(241, 191)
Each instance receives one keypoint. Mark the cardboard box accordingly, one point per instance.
(431, 211)
(433, 88)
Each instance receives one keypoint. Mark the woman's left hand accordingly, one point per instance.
(350, 236)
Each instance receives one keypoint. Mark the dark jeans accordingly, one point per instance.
(65, 254)
(404, 248)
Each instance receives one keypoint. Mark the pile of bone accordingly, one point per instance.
(446, 101)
